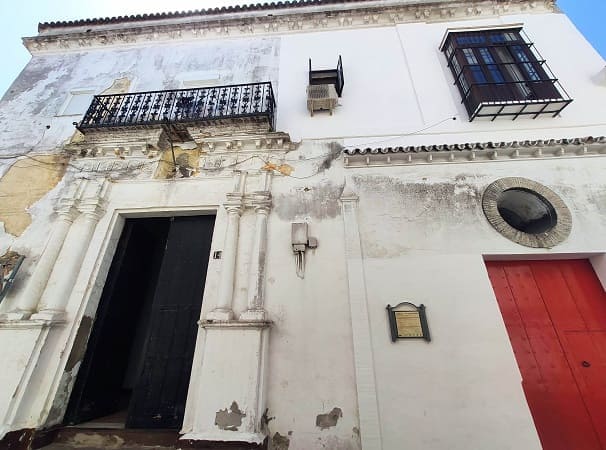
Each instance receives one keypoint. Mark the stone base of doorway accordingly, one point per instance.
(74, 438)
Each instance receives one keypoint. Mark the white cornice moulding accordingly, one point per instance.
(466, 153)
(270, 22)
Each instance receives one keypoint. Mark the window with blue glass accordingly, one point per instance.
(499, 73)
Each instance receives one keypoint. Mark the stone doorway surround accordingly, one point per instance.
(91, 218)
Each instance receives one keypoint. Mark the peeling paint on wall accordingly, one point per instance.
(36, 97)
(26, 182)
(119, 86)
(330, 419)
(187, 162)
(229, 419)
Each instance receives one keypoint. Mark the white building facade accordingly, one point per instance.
(206, 253)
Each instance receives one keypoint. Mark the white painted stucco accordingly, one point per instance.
(413, 232)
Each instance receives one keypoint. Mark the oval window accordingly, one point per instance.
(526, 211)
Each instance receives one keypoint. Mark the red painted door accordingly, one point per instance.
(555, 314)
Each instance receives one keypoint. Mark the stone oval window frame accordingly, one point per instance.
(550, 238)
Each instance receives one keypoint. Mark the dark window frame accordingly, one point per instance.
(498, 72)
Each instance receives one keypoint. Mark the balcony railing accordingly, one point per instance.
(254, 101)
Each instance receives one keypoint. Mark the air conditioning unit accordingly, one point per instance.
(321, 97)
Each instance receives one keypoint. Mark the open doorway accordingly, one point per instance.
(135, 373)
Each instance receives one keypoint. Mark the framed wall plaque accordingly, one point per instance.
(408, 321)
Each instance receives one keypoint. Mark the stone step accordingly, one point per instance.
(76, 438)
(122, 439)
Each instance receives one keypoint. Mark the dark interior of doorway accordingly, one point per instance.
(136, 369)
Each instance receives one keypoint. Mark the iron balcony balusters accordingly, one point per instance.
(181, 106)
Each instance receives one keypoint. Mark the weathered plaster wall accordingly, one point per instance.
(30, 120)
(423, 232)
(37, 96)
(26, 182)
(466, 379)
(424, 235)
(311, 357)
(437, 208)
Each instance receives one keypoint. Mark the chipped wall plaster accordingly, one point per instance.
(27, 181)
(403, 212)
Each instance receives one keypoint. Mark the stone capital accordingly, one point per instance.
(92, 208)
(234, 203)
(260, 201)
(66, 209)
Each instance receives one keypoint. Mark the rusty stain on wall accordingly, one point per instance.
(284, 169)
(26, 182)
(330, 419)
(229, 419)
(187, 163)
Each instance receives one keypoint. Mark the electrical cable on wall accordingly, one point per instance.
(267, 162)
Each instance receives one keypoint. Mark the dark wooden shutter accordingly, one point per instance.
(158, 400)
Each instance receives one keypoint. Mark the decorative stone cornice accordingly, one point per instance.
(119, 142)
(470, 152)
(134, 152)
(240, 141)
(313, 16)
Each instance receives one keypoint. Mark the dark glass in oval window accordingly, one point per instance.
(526, 211)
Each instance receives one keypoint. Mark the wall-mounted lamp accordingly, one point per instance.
(301, 241)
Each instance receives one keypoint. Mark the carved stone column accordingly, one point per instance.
(28, 302)
(261, 202)
(55, 298)
(229, 402)
(234, 205)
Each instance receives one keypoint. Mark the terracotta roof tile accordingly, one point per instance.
(478, 146)
(196, 13)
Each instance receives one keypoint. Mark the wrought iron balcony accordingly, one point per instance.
(175, 108)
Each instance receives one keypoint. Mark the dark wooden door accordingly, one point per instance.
(130, 283)
(555, 314)
(158, 400)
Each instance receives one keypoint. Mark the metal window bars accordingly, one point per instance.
(510, 80)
